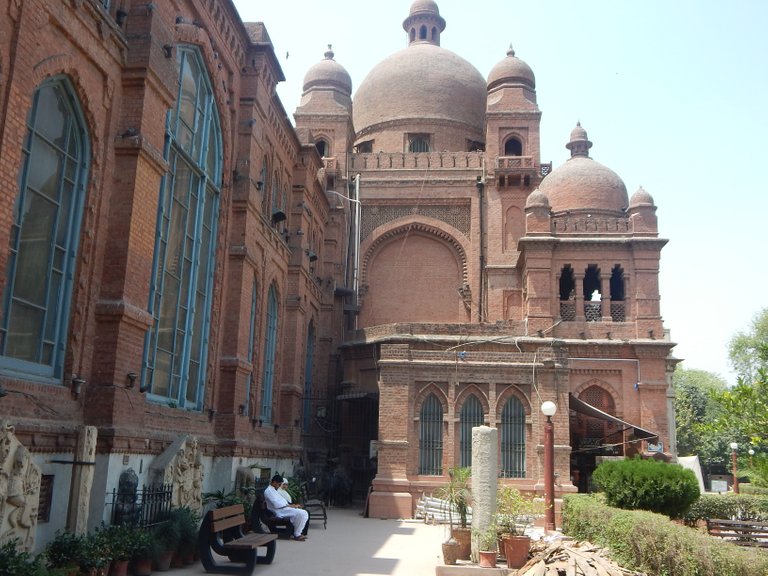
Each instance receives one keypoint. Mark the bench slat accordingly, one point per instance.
(224, 523)
(251, 541)
(741, 532)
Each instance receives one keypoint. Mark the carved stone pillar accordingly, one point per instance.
(19, 490)
(82, 480)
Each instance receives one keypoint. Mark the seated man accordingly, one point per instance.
(283, 509)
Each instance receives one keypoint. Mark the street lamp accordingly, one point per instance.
(548, 409)
(734, 447)
(751, 453)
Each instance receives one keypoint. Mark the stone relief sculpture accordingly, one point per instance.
(127, 510)
(19, 490)
(181, 466)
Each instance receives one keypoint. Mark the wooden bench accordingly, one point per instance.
(741, 532)
(222, 532)
(314, 507)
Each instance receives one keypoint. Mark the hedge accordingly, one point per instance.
(651, 543)
(728, 506)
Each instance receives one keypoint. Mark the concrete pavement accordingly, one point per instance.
(354, 546)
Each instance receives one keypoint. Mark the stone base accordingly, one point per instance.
(390, 505)
(469, 569)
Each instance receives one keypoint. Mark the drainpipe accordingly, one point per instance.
(481, 296)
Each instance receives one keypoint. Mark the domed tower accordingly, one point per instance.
(423, 98)
(512, 133)
(324, 114)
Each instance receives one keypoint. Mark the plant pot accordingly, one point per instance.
(141, 566)
(463, 537)
(450, 553)
(516, 550)
(118, 568)
(163, 561)
(487, 558)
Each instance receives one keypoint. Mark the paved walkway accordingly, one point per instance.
(354, 546)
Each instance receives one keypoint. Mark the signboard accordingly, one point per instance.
(656, 447)
(719, 486)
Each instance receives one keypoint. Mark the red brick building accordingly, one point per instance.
(182, 262)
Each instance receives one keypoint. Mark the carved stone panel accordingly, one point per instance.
(181, 465)
(19, 490)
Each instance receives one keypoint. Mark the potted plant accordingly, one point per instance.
(64, 551)
(487, 543)
(458, 495)
(167, 536)
(188, 521)
(15, 560)
(95, 554)
(143, 552)
(120, 540)
(514, 515)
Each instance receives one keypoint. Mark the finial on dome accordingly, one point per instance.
(329, 53)
(579, 144)
(511, 51)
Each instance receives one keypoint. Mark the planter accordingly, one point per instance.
(463, 537)
(487, 558)
(450, 553)
(118, 568)
(141, 566)
(163, 561)
(516, 550)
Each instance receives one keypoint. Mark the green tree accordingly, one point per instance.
(748, 350)
(696, 406)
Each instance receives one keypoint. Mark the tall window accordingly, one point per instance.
(431, 437)
(184, 252)
(418, 143)
(513, 439)
(471, 416)
(308, 366)
(44, 234)
(251, 345)
(270, 353)
(513, 147)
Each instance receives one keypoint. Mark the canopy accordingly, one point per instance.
(584, 408)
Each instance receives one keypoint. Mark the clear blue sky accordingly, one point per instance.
(673, 94)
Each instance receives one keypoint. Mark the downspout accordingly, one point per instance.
(481, 312)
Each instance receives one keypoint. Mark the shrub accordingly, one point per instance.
(187, 521)
(14, 560)
(651, 485)
(65, 550)
(728, 506)
(651, 543)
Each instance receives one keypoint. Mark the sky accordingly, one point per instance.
(673, 94)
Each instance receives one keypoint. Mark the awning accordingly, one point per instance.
(589, 410)
(357, 396)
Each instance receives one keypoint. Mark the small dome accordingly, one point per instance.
(328, 74)
(641, 198)
(537, 199)
(511, 69)
(583, 184)
(420, 6)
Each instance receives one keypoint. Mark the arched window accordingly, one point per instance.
(593, 310)
(471, 416)
(567, 294)
(270, 355)
(308, 366)
(431, 437)
(323, 148)
(423, 33)
(44, 234)
(595, 433)
(618, 310)
(180, 300)
(513, 147)
(263, 184)
(252, 324)
(513, 439)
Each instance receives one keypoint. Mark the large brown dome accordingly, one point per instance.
(422, 82)
(583, 184)
(511, 70)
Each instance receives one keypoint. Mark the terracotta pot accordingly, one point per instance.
(516, 550)
(118, 568)
(487, 559)
(463, 537)
(163, 561)
(141, 566)
(450, 553)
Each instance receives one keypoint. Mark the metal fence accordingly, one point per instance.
(146, 507)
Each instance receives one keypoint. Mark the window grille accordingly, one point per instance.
(270, 353)
(513, 439)
(431, 437)
(471, 416)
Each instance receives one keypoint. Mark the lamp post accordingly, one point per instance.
(548, 409)
(751, 453)
(734, 447)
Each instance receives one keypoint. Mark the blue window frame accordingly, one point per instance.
(513, 439)
(308, 369)
(44, 235)
(251, 345)
(270, 353)
(431, 437)
(180, 300)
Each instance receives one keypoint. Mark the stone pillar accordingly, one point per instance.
(82, 480)
(605, 300)
(578, 280)
(485, 474)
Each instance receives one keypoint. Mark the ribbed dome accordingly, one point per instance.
(583, 184)
(422, 82)
(641, 198)
(511, 70)
(328, 74)
(424, 6)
